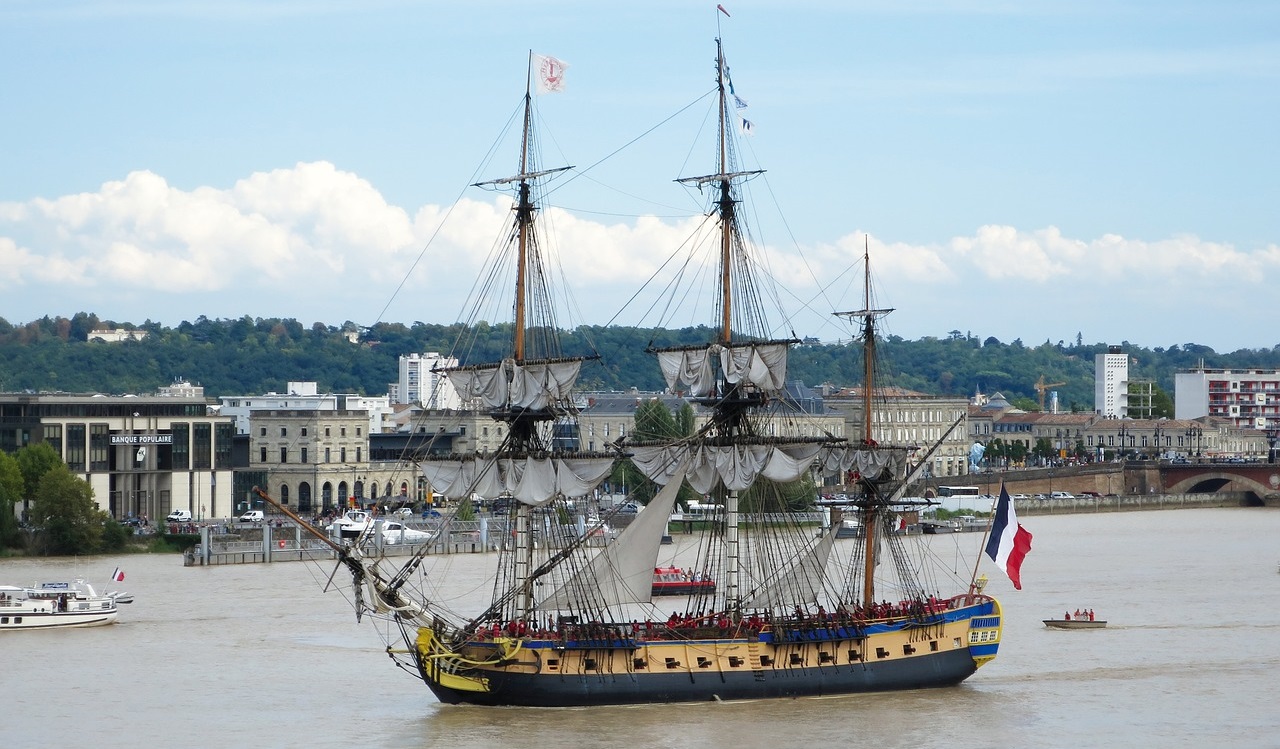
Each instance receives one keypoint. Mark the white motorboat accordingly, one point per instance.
(57, 604)
(358, 523)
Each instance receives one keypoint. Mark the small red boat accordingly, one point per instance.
(673, 581)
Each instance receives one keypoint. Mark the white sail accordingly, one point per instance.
(623, 571)
(532, 480)
(688, 370)
(762, 365)
(800, 580)
(868, 462)
(511, 384)
(734, 466)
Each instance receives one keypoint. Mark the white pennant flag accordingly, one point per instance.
(549, 73)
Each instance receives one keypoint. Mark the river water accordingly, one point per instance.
(258, 655)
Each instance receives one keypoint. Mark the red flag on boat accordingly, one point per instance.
(118, 575)
(1009, 541)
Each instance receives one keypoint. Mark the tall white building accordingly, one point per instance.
(1111, 383)
(421, 383)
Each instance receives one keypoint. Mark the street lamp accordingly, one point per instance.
(1194, 431)
(1123, 432)
(1157, 440)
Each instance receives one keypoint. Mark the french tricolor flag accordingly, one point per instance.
(118, 575)
(1009, 541)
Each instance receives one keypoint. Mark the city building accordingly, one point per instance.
(421, 382)
(1111, 383)
(142, 455)
(1248, 398)
(907, 417)
(305, 396)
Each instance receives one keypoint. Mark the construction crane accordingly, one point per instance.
(1041, 387)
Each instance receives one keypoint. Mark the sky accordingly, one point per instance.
(1026, 170)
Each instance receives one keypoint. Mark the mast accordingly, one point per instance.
(726, 204)
(871, 504)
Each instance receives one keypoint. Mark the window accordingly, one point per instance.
(326, 431)
(284, 431)
(224, 435)
(99, 447)
(262, 432)
(342, 456)
(326, 455)
(357, 455)
(304, 455)
(262, 458)
(202, 446)
(357, 431)
(75, 447)
(181, 453)
(304, 431)
(342, 431)
(284, 455)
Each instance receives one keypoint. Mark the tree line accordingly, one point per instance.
(252, 356)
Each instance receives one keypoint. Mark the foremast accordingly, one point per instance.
(529, 392)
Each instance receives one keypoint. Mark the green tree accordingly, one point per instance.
(11, 492)
(35, 461)
(65, 515)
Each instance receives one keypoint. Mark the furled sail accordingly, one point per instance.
(870, 463)
(735, 466)
(533, 480)
(511, 384)
(623, 571)
(762, 365)
(799, 580)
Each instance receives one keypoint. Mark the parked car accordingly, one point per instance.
(1062, 495)
(252, 516)
(178, 516)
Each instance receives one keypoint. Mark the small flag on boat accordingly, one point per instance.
(118, 575)
(722, 10)
(549, 73)
(1009, 541)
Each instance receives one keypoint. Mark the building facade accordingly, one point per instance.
(907, 417)
(421, 382)
(1111, 383)
(142, 455)
(1247, 398)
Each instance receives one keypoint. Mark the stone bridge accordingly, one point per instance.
(1262, 480)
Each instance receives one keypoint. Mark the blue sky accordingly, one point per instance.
(1025, 170)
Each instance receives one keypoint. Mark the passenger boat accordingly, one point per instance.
(673, 581)
(54, 605)
(1075, 623)
(793, 613)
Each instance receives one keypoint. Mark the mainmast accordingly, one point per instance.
(871, 504)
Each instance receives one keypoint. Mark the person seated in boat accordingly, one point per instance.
(1066, 617)
(1090, 614)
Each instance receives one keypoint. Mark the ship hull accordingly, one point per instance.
(941, 652)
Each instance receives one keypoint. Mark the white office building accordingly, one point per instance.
(422, 383)
(1111, 383)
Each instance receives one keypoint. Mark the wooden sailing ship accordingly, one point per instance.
(792, 613)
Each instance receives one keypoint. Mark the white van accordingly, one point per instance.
(178, 516)
(1062, 495)
(252, 516)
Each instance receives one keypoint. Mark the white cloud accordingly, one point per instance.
(317, 243)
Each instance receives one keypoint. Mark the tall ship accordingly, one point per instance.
(572, 620)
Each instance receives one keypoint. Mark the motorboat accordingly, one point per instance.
(58, 604)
